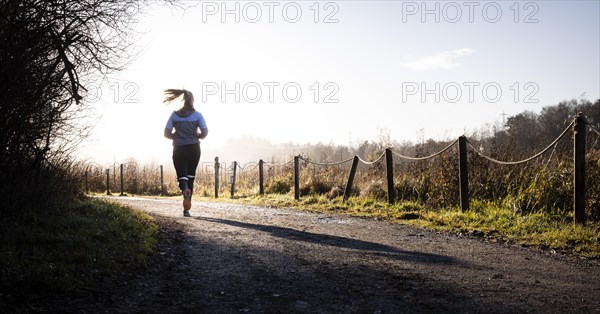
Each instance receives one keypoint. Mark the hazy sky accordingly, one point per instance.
(341, 71)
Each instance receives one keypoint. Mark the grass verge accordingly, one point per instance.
(495, 221)
(71, 248)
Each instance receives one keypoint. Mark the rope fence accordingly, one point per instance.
(427, 157)
(371, 162)
(273, 164)
(132, 177)
(254, 172)
(326, 164)
(553, 144)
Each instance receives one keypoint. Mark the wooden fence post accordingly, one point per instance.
(351, 178)
(85, 186)
(296, 177)
(261, 178)
(162, 181)
(108, 181)
(389, 167)
(233, 179)
(463, 188)
(579, 130)
(216, 177)
(121, 177)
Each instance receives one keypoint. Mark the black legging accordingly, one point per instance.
(185, 160)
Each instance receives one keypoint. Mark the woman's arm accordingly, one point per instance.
(203, 133)
(169, 134)
(169, 128)
(202, 126)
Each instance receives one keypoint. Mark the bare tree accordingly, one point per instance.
(48, 51)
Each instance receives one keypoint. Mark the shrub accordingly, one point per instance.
(374, 190)
(592, 188)
(279, 184)
(314, 186)
(336, 191)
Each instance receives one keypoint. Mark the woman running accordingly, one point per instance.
(190, 128)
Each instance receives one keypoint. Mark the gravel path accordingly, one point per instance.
(236, 258)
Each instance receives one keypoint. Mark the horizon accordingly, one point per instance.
(265, 149)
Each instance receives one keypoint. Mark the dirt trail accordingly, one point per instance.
(236, 258)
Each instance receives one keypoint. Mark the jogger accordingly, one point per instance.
(186, 142)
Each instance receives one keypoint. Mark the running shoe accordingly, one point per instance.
(187, 199)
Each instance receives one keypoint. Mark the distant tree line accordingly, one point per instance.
(529, 132)
(521, 135)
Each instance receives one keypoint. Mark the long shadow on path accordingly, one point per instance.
(340, 242)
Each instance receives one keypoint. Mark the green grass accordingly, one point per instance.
(547, 231)
(64, 249)
(553, 231)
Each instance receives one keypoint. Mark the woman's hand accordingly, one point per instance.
(169, 134)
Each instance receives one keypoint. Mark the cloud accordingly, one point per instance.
(444, 60)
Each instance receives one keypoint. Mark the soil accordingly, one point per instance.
(236, 258)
